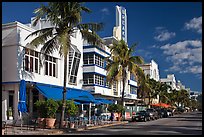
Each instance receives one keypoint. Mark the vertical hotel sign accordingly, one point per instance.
(123, 23)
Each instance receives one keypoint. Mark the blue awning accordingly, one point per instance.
(104, 101)
(55, 92)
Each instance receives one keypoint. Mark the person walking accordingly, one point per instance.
(112, 116)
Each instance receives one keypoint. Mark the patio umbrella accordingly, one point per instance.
(161, 105)
(22, 99)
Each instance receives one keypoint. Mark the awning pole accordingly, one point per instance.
(89, 113)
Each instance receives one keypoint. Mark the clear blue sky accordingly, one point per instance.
(168, 32)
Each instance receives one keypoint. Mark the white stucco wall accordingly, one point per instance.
(94, 69)
(13, 38)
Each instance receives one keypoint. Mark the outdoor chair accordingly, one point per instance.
(9, 124)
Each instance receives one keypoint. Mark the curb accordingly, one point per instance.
(58, 132)
(106, 125)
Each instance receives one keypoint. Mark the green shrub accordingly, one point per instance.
(71, 109)
(51, 107)
(47, 109)
(116, 108)
(40, 104)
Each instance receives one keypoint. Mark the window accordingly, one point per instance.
(99, 80)
(88, 79)
(31, 62)
(74, 60)
(115, 88)
(88, 59)
(133, 90)
(108, 84)
(132, 77)
(50, 66)
(99, 61)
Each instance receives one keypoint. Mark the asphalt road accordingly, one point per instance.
(184, 124)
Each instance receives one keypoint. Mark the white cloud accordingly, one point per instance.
(186, 56)
(194, 24)
(105, 11)
(163, 34)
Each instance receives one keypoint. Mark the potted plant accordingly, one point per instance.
(71, 110)
(10, 113)
(51, 107)
(40, 104)
(116, 108)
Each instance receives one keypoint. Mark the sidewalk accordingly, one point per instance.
(25, 131)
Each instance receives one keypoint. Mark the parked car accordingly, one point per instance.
(162, 112)
(169, 112)
(153, 113)
(141, 116)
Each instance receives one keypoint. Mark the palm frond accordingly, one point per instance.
(50, 46)
(91, 37)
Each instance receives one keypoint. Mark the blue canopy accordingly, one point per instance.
(104, 101)
(22, 97)
(55, 92)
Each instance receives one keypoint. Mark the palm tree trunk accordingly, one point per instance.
(64, 91)
(123, 91)
(149, 100)
(123, 80)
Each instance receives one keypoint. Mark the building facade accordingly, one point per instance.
(170, 80)
(22, 62)
(86, 67)
(151, 69)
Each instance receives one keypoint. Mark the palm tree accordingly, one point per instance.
(148, 88)
(184, 97)
(163, 92)
(65, 18)
(122, 62)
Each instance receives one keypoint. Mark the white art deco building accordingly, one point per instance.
(86, 66)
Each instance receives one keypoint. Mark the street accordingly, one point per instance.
(189, 123)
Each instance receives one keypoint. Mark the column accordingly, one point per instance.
(89, 113)
(30, 109)
(16, 100)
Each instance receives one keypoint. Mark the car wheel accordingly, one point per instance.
(145, 119)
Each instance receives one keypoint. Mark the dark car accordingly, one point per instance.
(153, 113)
(162, 112)
(141, 116)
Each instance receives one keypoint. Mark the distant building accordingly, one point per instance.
(194, 94)
(120, 30)
(179, 85)
(152, 70)
(170, 80)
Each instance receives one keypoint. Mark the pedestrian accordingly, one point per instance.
(112, 116)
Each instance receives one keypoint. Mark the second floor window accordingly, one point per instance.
(74, 61)
(31, 62)
(50, 66)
